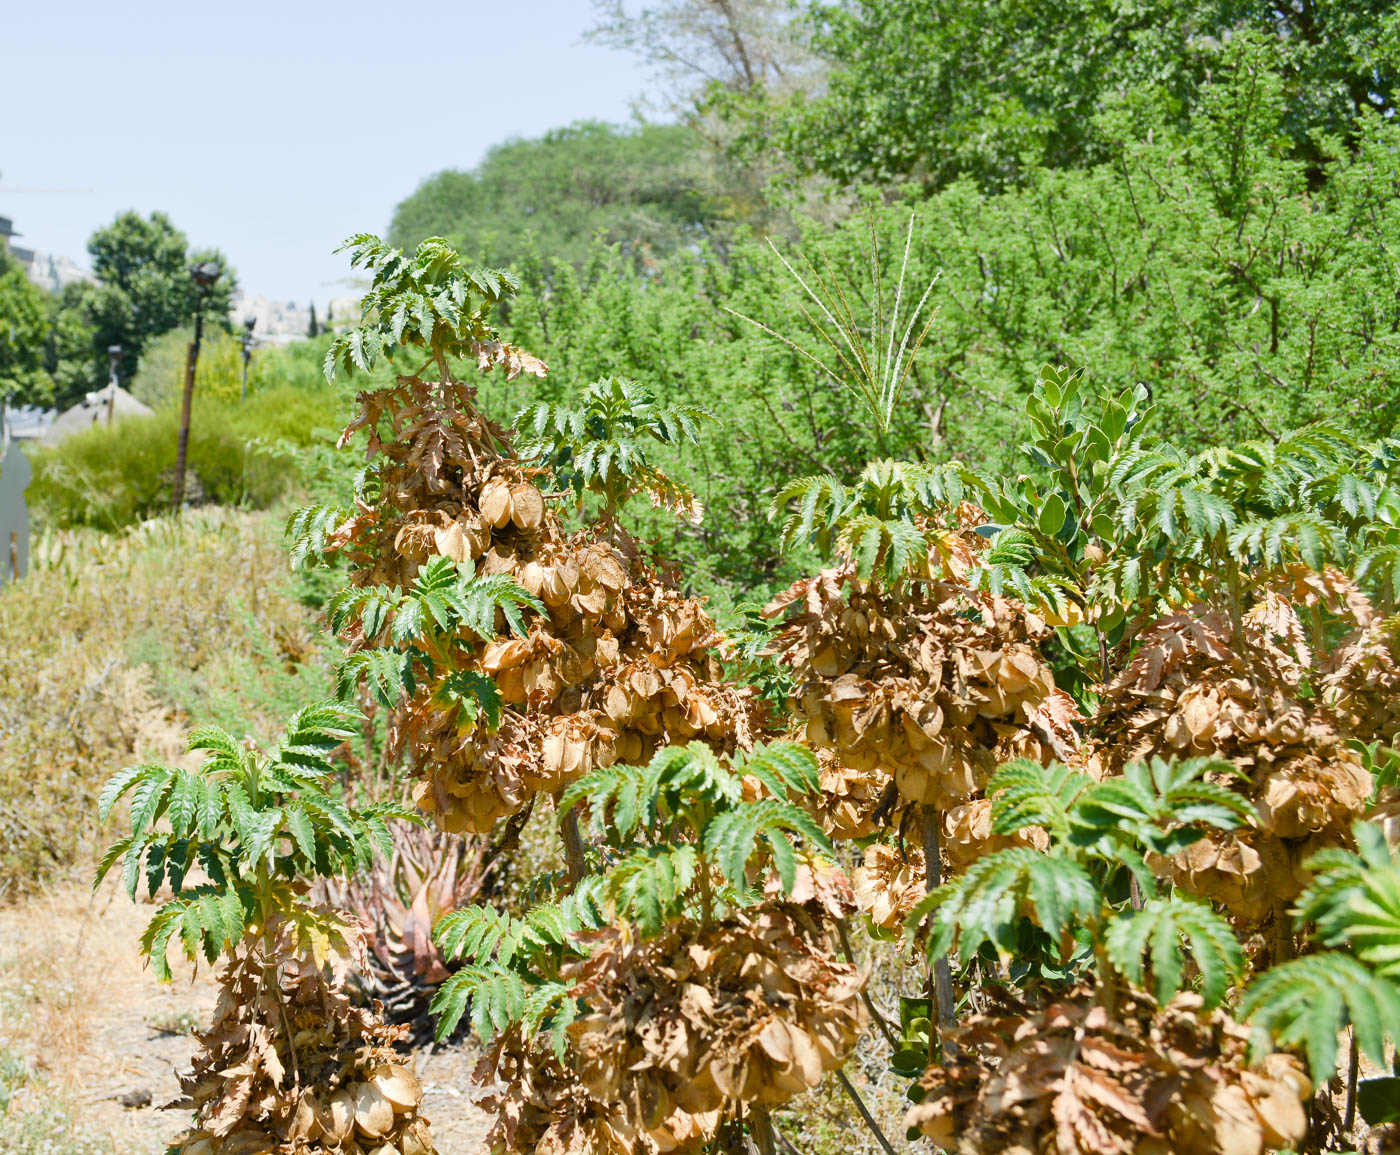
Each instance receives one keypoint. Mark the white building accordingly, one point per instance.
(47, 270)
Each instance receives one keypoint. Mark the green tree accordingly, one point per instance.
(72, 358)
(937, 89)
(24, 325)
(1200, 263)
(647, 188)
(145, 288)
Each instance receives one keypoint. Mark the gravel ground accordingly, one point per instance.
(93, 1027)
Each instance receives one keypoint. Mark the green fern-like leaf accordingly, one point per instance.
(648, 884)
(1025, 793)
(496, 997)
(787, 769)
(732, 838)
(308, 528)
(1164, 805)
(1307, 1001)
(1158, 930)
(1355, 900)
(984, 904)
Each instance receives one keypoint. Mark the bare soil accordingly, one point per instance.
(79, 1008)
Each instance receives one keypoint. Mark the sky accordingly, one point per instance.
(274, 130)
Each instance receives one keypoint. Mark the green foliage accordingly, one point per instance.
(71, 357)
(111, 476)
(749, 635)
(428, 301)
(24, 327)
(932, 91)
(1157, 930)
(1119, 526)
(160, 377)
(513, 964)
(1069, 893)
(255, 824)
(414, 635)
(647, 188)
(1243, 316)
(598, 445)
(885, 522)
(678, 836)
(872, 358)
(145, 288)
(1354, 900)
(680, 833)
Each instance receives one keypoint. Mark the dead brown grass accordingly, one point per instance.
(111, 642)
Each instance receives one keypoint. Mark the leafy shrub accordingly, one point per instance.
(114, 475)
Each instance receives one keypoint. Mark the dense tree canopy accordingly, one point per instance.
(936, 89)
(647, 188)
(145, 289)
(1198, 262)
(23, 326)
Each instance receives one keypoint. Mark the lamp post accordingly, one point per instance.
(114, 354)
(247, 340)
(204, 274)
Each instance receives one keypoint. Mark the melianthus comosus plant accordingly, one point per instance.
(598, 444)
(260, 827)
(287, 1062)
(677, 842)
(1077, 893)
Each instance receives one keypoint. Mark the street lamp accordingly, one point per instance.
(204, 275)
(114, 355)
(248, 323)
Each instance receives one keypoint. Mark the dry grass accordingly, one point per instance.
(113, 642)
(75, 1008)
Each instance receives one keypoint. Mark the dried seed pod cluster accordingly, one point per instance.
(849, 801)
(544, 1107)
(889, 883)
(1199, 686)
(935, 684)
(679, 1031)
(1075, 1079)
(291, 1067)
(1362, 681)
(620, 665)
(967, 834)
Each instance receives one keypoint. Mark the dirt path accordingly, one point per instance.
(78, 1008)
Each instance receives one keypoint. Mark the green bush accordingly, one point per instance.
(111, 476)
(160, 379)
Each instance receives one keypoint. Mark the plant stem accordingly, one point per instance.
(933, 879)
(865, 1113)
(1353, 1070)
(761, 1128)
(573, 849)
(880, 1020)
(785, 1141)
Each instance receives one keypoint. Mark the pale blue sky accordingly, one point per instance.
(273, 130)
